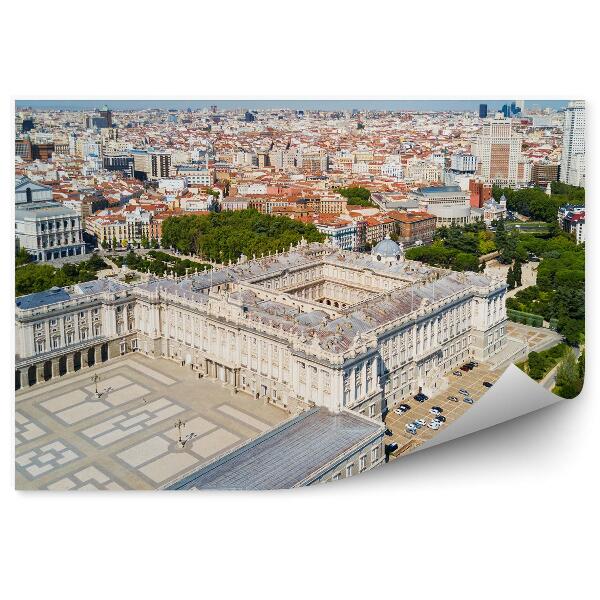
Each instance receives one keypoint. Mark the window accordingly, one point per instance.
(362, 463)
(53, 322)
(336, 477)
(374, 454)
(38, 326)
(372, 410)
(349, 469)
(56, 342)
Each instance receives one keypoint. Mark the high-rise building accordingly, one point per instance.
(498, 151)
(160, 162)
(572, 166)
(106, 113)
(483, 111)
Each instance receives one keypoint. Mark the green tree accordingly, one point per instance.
(517, 273)
(22, 257)
(510, 278)
(568, 380)
(535, 364)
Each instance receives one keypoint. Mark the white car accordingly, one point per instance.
(398, 411)
(411, 428)
(433, 425)
(421, 422)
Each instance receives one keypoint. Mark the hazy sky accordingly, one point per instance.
(423, 105)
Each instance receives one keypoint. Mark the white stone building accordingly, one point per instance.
(46, 229)
(315, 326)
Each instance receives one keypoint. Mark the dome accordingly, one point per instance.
(387, 248)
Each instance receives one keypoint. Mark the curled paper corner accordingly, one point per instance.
(514, 394)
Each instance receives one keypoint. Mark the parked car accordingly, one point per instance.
(397, 411)
(436, 410)
(465, 368)
(464, 392)
(411, 428)
(391, 447)
(388, 432)
(468, 400)
(433, 425)
(421, 397)
(453, 398)
(417, 424)
(487, 384)
(457, 373)
(404, 407)
(421, 422)
(440, 419)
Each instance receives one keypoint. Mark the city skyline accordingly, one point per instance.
(433, 105)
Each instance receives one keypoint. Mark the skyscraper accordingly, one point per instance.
(482, 111)
(572, 166)
(498, 151)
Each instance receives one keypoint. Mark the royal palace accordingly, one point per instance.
(313, 326)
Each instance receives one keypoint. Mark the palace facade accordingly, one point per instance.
(313, 326)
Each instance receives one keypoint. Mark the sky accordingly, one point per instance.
(395, 105)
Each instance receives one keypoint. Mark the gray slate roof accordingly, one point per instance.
(285, 456)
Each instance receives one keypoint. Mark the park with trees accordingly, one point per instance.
(356, 195)
(37, 277)
(225, 236)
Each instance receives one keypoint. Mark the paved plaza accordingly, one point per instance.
(472, 381)
(537, 338)
(69, 437)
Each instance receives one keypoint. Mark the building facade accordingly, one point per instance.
(572, 166)
(314, 326)
(46, 229)
(498, 150)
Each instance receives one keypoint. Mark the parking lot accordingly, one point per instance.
(472, 381)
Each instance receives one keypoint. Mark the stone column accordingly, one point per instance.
(55, 368)
(70, 363)
(84, 359)
(24, 378)
(97, 355)
(39, 373)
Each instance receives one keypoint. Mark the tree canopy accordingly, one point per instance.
(36, 277)
(226, 235)
(356, 195)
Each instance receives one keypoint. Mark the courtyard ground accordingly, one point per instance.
(68, 438)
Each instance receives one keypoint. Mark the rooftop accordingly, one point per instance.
(290, 454)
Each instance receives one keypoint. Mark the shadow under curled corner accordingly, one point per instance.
(514, 394)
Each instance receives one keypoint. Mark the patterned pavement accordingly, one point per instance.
(123, 435)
